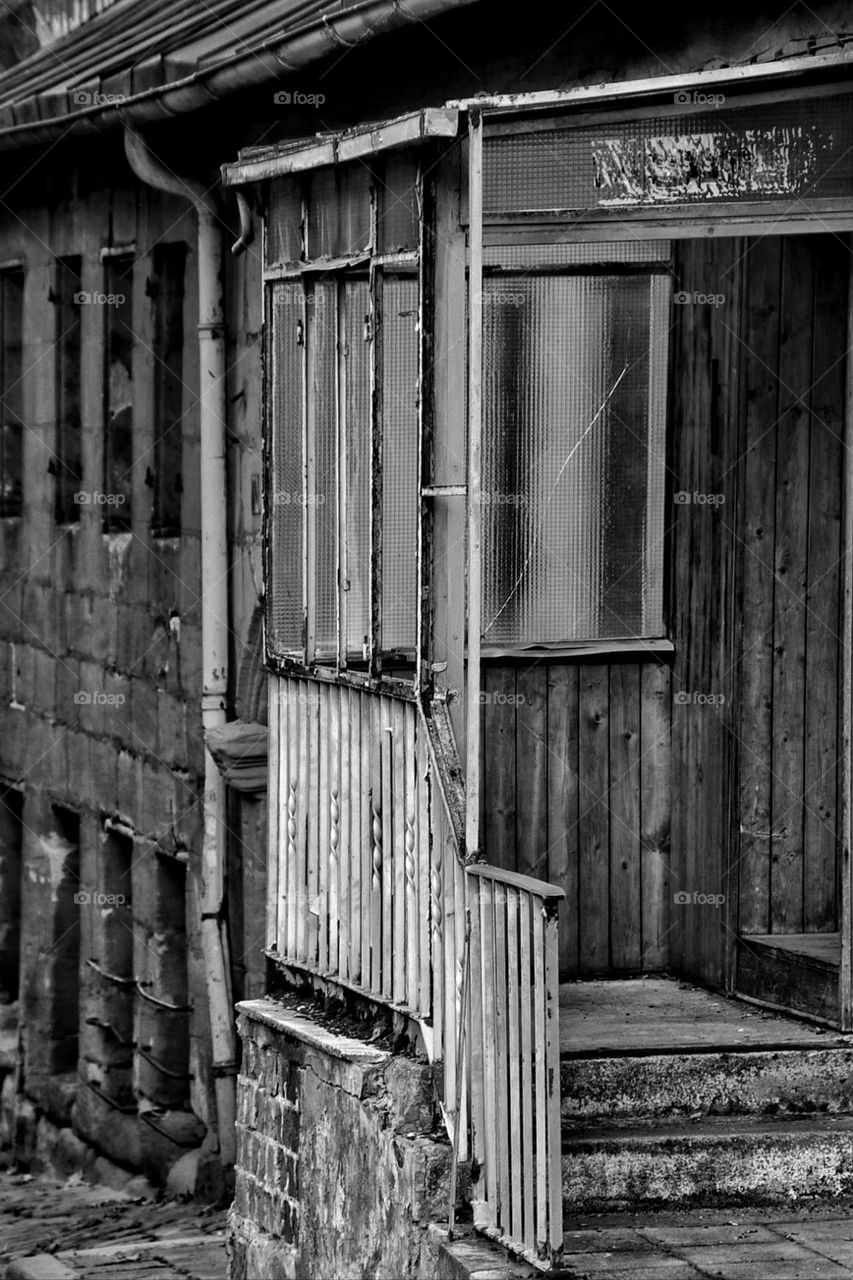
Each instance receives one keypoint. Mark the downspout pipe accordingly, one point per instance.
(214, 617)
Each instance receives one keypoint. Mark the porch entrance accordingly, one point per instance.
(759, 541)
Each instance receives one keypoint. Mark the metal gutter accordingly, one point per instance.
(417, 126)
(269, 61)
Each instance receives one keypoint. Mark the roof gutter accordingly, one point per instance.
(270, 61)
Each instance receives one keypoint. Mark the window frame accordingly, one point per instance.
(395, 669)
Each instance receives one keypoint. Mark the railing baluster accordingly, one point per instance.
(398, 879)
(526, 1039)
(363, 819)
(514, 1118)
(345, 865)
(274, 792)
(301, 817)
(539, 1074)
(501, 1056)
(376, 829)
(487, 939)
(411, 975)
(552, 1079)
(389, 852)
(326, 729)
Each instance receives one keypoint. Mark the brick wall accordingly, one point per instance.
(342, 1161)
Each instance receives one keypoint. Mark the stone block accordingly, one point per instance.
(143, 716)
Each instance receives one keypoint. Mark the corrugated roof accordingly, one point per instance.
(141, 60)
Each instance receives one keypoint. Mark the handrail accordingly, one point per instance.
(529, 884)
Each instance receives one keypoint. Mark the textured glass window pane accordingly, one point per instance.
(323, 491)
(398, 204)
(284, 221)
(284, 373)
(576, 253)
(399, 462)
(784, 149)
(358, 449)
(573, 457)
(339, 212)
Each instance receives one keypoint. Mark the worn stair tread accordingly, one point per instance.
(721, 1128)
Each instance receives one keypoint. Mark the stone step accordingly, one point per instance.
(714, 1161)
(760, 1082)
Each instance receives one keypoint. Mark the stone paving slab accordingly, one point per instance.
(51, 1230)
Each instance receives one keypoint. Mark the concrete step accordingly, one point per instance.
(759, 1082)
(727, 1160)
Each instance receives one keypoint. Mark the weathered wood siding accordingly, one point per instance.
(788, 722)
(704, 425)
(757, 431)
(576, 791)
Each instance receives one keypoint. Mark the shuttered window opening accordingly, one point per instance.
(117, 303)
(11, 391)
(68, 460)
(342, 380)
(167, 289)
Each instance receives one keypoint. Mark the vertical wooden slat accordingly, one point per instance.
(756, 717)
(302, 817)
(398, 883)
(514, 1117)
(551, 1100)
(276, 900)
(362, 818)
(499, 895)
(451, 1027)
(563, 798)
(625, 883)
(487, 961)
(322, 783)
(476, 1043)
(539, 1060)
(411, 926)
(347, 786)
(845, 779)
(824, 630)
(436, 898)
(333, 840)
(425, 828)
(460, 908)
(593, 820)
(526, 1042)
(655, 811)
(531, 757)
(499, 717)
(791, 580)
(389, 852)
(295, 888)
(376, 845)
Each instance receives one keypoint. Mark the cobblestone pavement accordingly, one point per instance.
(800, 1243)
(68, 1231)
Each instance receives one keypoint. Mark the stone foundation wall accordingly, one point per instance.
(342, 1163)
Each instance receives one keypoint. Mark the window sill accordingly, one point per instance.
(582, 649)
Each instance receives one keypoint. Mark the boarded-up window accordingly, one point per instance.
(68, 463)
(11, 399)
(118, 392)
(168, 290)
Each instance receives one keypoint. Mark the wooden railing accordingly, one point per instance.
(515, 1060)
(369, 888)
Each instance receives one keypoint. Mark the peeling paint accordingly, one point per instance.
(779, 160)
(118, 548)
(56, 851)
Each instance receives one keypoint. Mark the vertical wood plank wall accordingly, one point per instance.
(705, 446)
(788, 728)
(576, 791)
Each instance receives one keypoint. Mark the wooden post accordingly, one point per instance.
(845, 976)
(475, 427)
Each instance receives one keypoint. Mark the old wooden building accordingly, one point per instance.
(470, 438)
